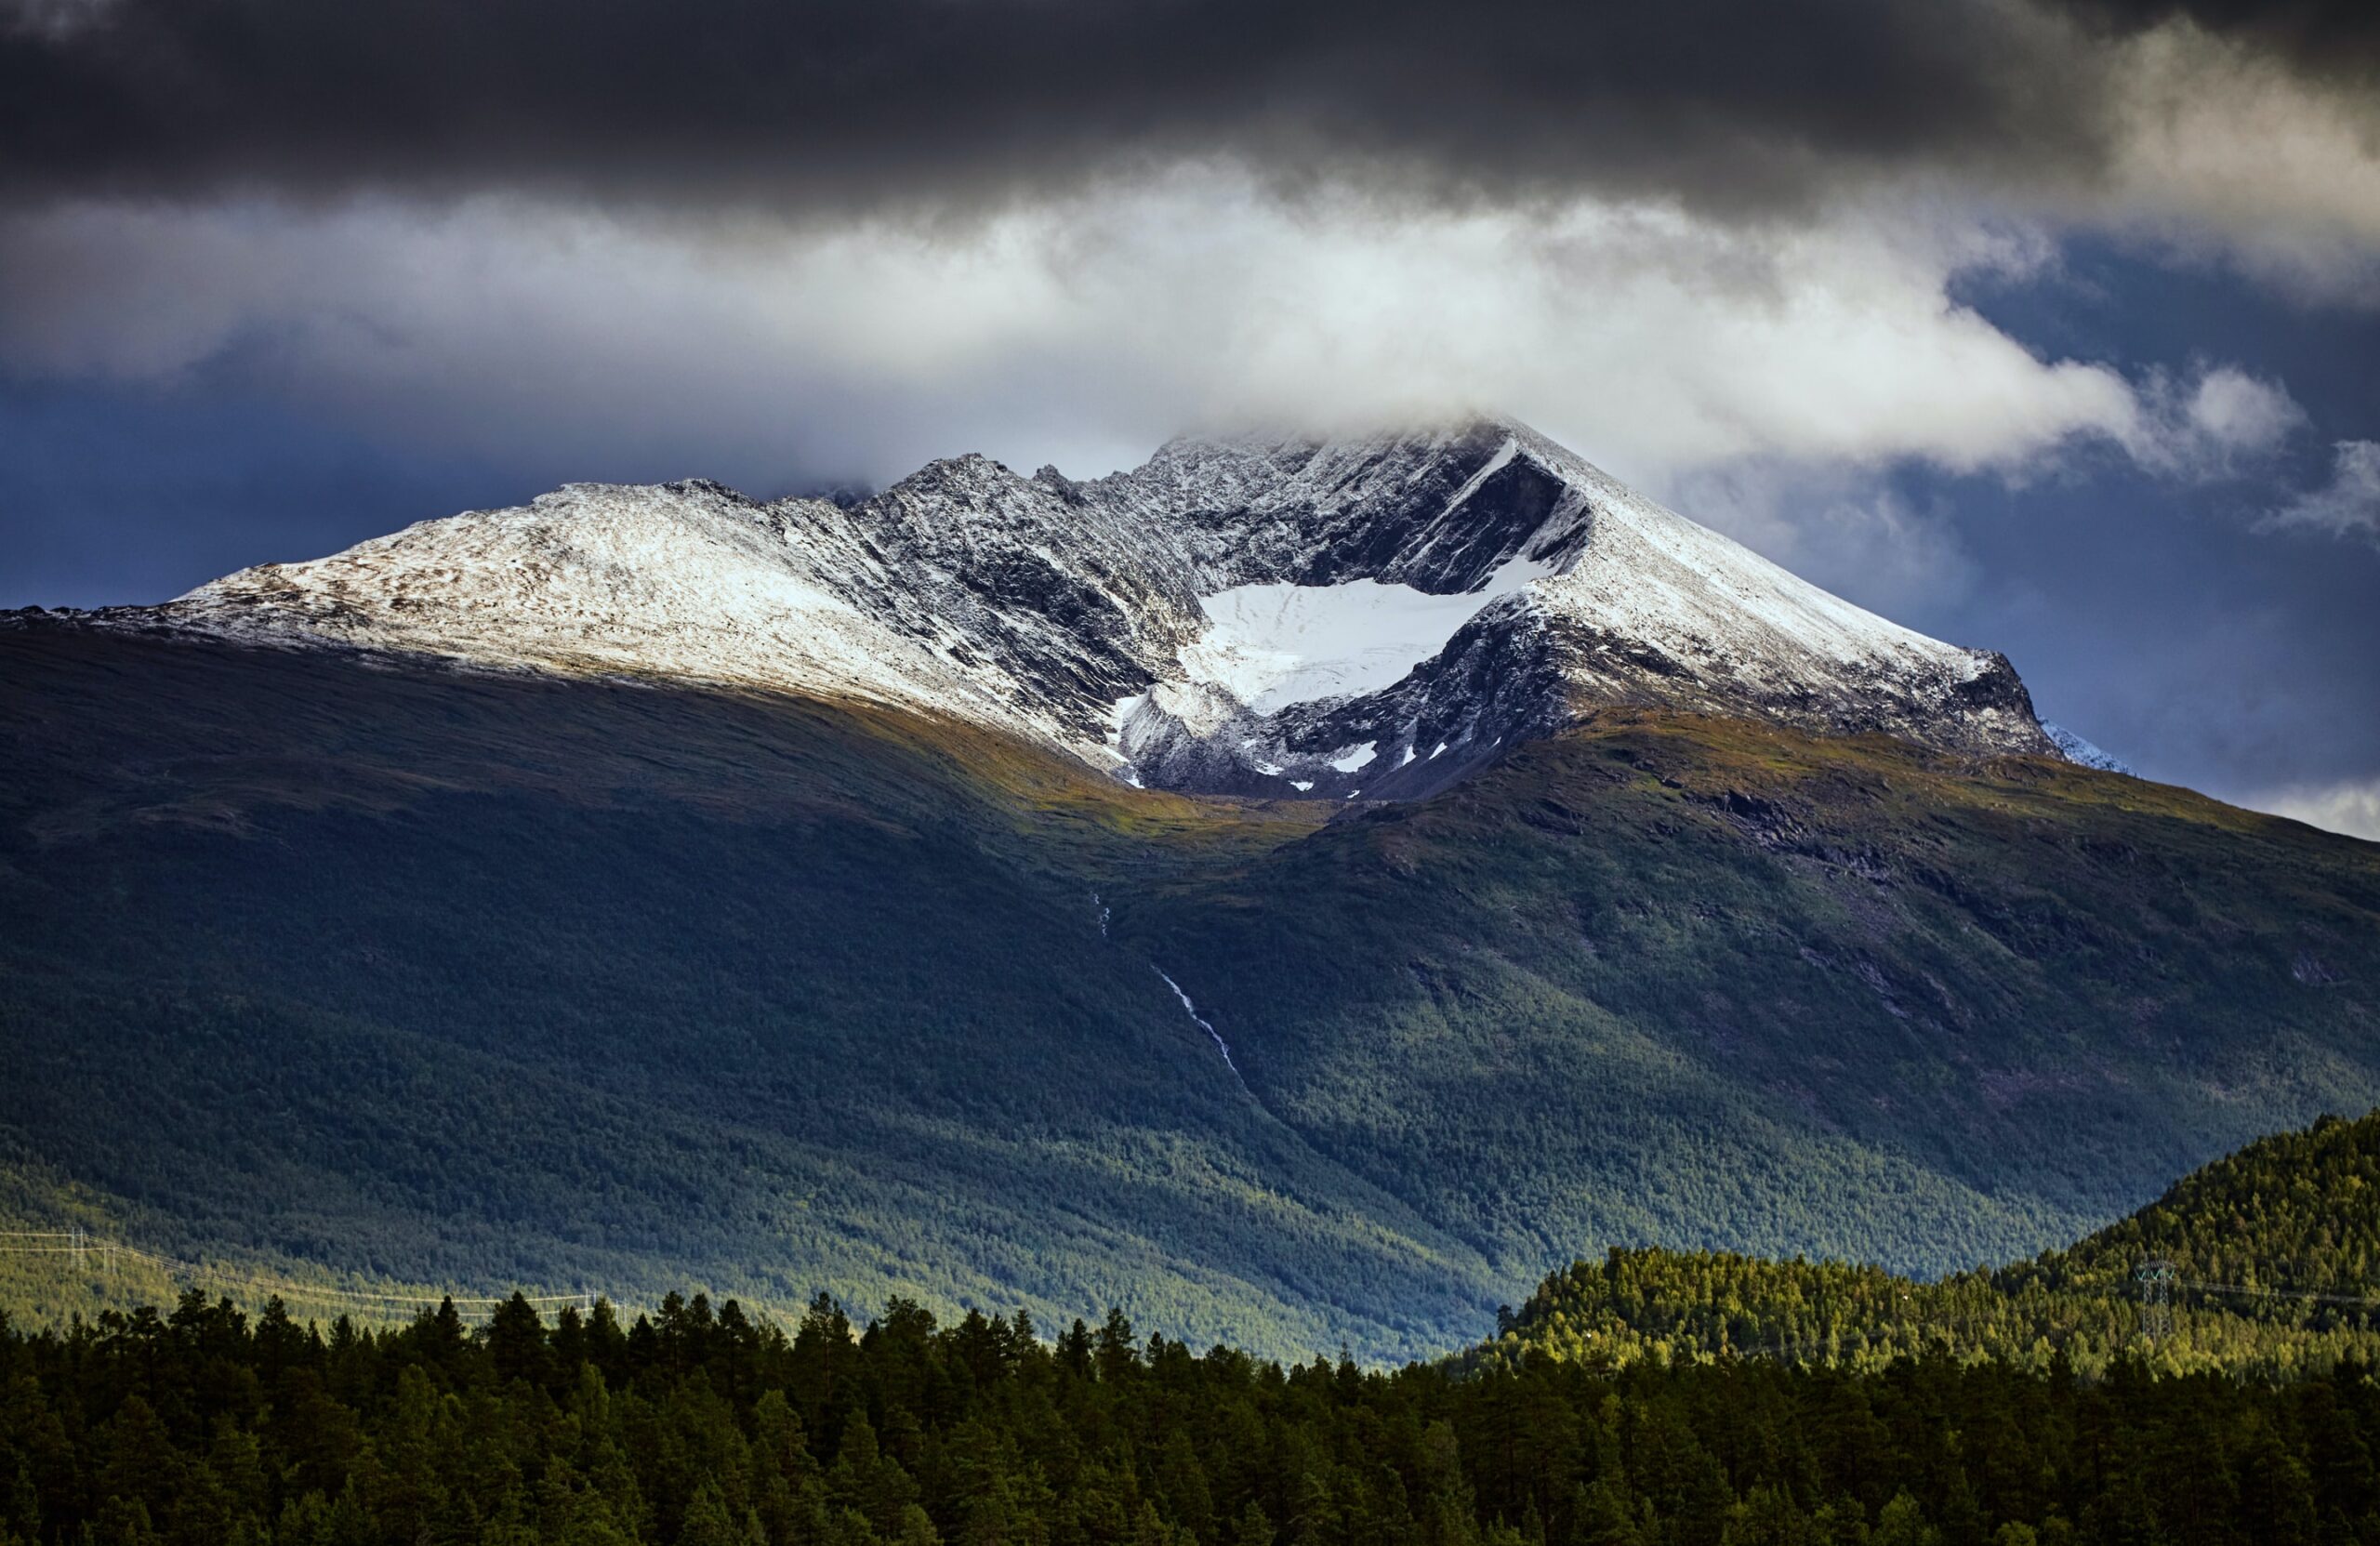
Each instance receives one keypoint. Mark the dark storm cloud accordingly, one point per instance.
(2333, 39)
(1726, 102)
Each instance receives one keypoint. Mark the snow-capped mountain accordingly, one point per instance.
(1248, 615)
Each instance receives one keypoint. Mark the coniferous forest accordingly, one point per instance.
(698, 1424)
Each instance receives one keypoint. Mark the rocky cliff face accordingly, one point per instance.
(1357, 617)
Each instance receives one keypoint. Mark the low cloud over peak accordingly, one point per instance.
(1086, 330)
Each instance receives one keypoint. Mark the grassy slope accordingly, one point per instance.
(478, 980)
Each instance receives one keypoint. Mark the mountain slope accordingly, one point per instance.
(1591, 595)
(444, 979)
(2031, 981)
(474, 977)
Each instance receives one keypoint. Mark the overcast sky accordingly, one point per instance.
(2048, 327)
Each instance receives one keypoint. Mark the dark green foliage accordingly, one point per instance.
(706, 1427)
(391, 976)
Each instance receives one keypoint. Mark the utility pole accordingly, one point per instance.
(2154, 1279)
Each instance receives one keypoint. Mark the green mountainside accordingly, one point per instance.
(2271, 1256)
(2297, 1211)
(1787, 995)
(399, 977)
(487, 980)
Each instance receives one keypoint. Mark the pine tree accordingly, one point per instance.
(516, 1343)
(1903, 1522)
(1182, 1484)
(141, 1465)
(124, 1521)
(1607, 1513)
(1116, 1356)
(710, 1522)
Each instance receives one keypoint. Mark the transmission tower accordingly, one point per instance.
(2154, 1279)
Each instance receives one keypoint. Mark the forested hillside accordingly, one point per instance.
(362, 972)
(2266, 1258)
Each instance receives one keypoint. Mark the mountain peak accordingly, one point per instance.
(1249, 613)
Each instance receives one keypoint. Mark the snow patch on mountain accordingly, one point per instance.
(2083, 753)
(682, 581)
(1275, 645)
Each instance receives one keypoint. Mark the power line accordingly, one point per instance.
(2252, 1290)
(81, 1245)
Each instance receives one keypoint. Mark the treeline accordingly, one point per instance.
(699, 1425)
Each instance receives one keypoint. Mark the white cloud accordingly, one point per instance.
(2346, 506)
(2352, 807)
(2230, 411)
(2207, 425)
(1083, 331)
(2220, 144)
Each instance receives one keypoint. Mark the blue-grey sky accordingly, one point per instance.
(2050, 327)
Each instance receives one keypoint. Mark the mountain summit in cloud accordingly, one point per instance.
(1254, 616)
